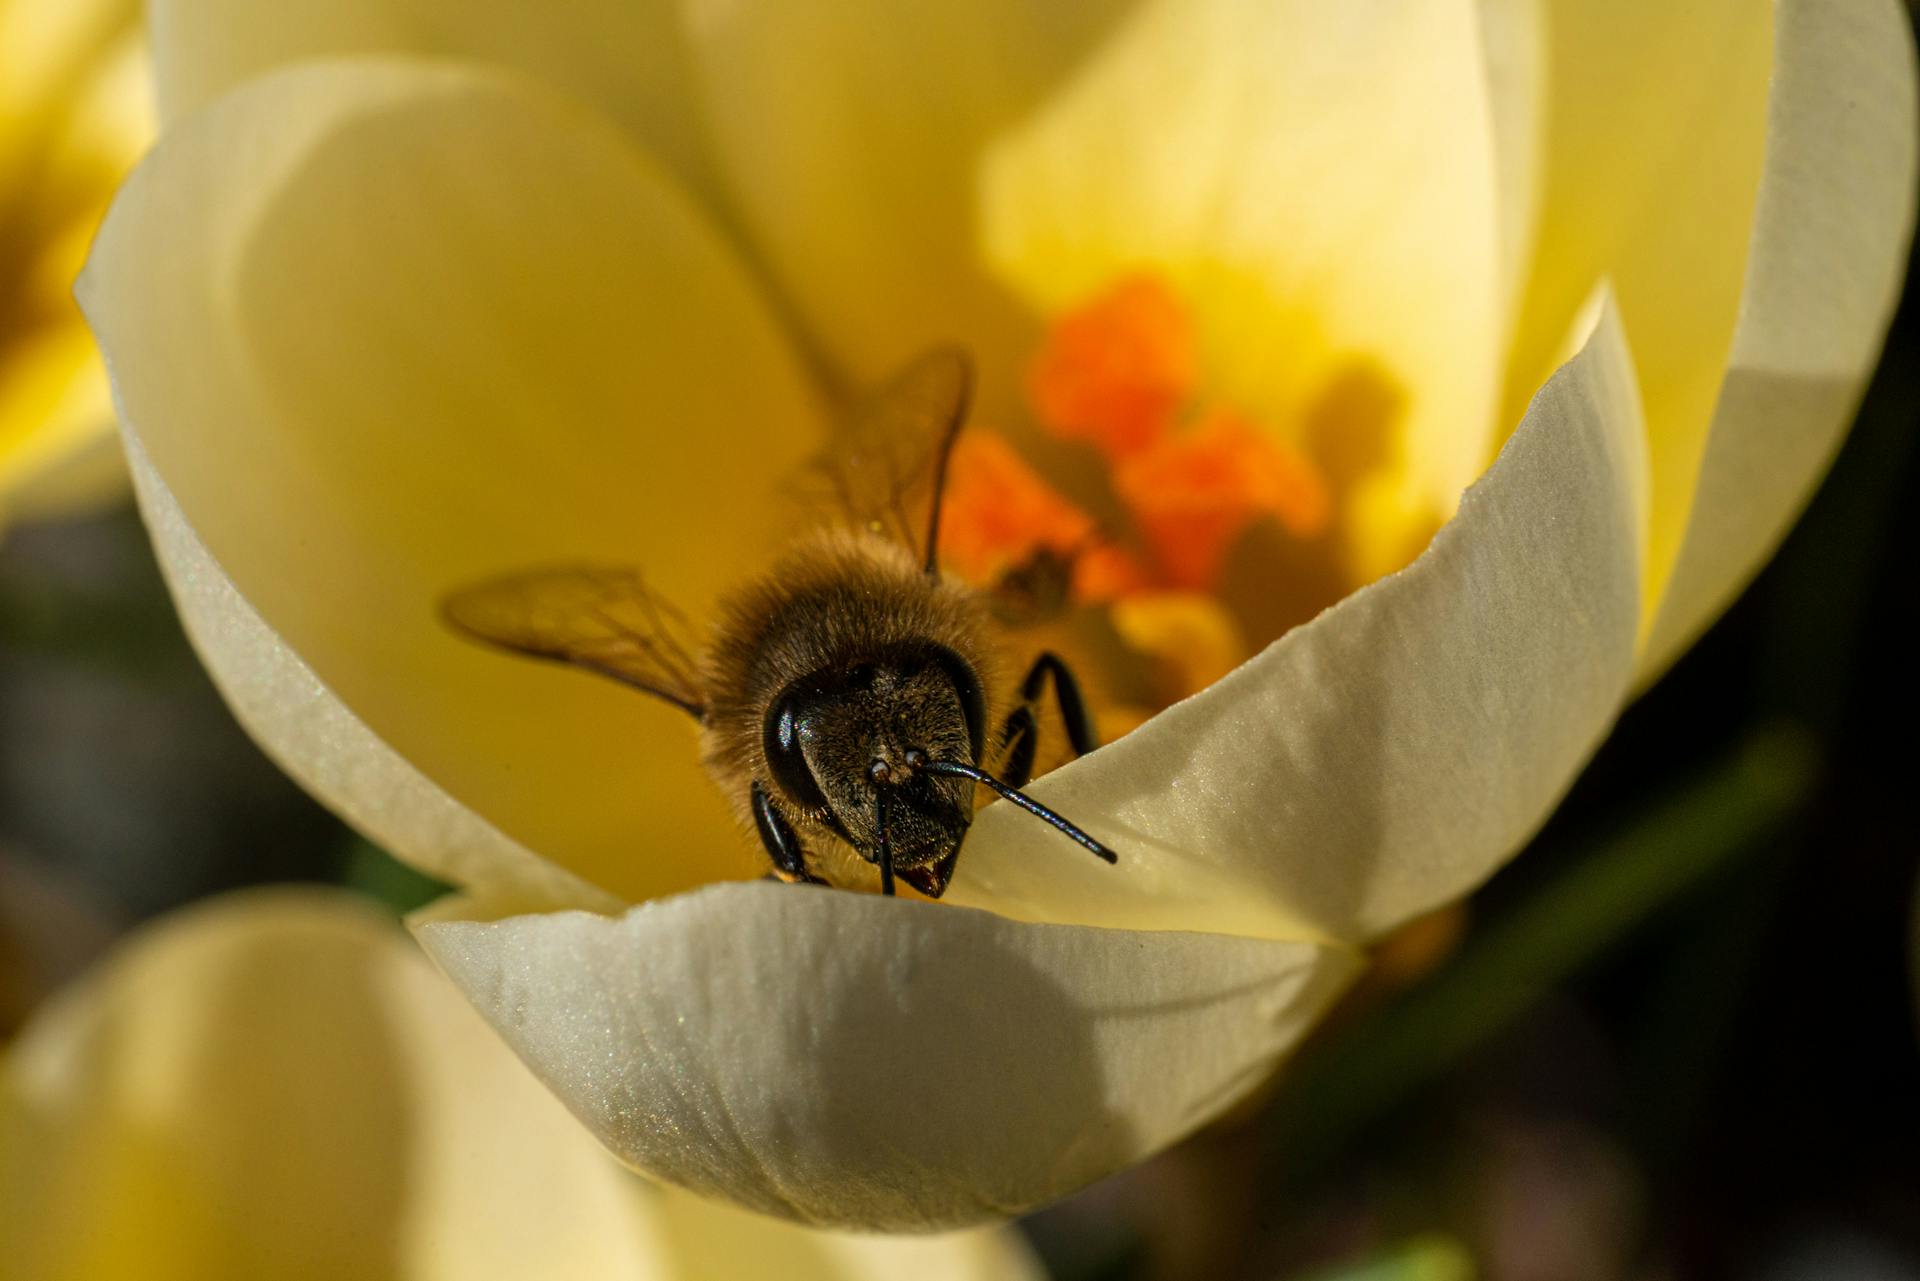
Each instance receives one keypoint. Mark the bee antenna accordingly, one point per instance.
(886, 845)
(1020, 798)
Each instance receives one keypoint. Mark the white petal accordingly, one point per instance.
(1830, 235)
(877, 1063)
(1388, 756)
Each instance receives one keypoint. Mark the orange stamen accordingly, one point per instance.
(998, 512)
(1116, 371)
(1104, 573)
(1195, 493)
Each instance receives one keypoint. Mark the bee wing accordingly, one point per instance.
(887, 464)
(598, 618)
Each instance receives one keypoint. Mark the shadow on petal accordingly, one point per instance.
(853, 1061)
(1387, 756)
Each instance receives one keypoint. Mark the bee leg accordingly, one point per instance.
(1019, 738)
(1020, 734)
(1066, 693)
(783, 844)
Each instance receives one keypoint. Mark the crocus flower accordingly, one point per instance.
(74, 114)
(412, 293)
(277, 1085)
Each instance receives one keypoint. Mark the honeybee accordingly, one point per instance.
(846, 694)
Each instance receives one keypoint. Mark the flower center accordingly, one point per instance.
(1194, 472)
(1217, 527)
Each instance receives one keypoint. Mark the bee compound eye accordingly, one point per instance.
(786, 727)
(966, 687)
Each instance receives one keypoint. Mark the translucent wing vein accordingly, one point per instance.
(887, 462)
(601, 619)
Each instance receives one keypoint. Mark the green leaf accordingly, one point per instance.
(1424, 1258)
(374, 872)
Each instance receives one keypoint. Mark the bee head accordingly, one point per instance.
(837, 737)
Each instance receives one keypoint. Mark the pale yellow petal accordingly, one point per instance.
(712, 1241)
(1830, 235)
(316, 738)
(363, 393)
(849, 136)
(625, 57)
(1654, 127)
(1319, 180)
(72, 144)
(47, 46)
(1388, 756)
(847, 1059)
(54, 412)
(100, 125)
(1513, 43)
(278, 1085)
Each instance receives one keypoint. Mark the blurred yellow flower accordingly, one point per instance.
(277, 1085)
(414, 291)
(74, 115)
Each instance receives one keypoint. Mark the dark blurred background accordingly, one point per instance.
(1674, 1039)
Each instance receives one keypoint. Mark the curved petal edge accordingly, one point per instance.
(1834, 218)
(1386, 757)
(848, 1060)
(281, 702)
